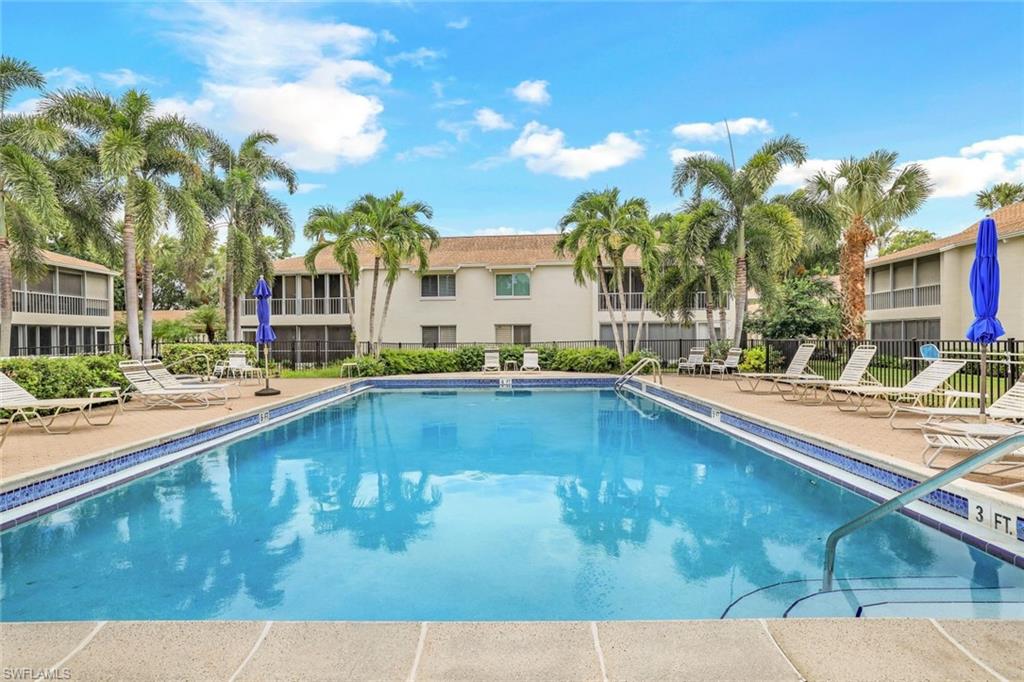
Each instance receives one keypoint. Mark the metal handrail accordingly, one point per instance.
(188, 358)
(635, 369)
(980, 459)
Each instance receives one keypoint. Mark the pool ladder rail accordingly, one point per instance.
(637, 368)
(967, 466)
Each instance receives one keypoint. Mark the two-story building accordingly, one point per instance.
(68, 310)
(923, 292)
(495, 289)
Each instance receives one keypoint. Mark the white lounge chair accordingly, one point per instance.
(492, 360)
(531, 360)
(163, 376)
(151, 393)
(930, 381)
(24, 406)
(1009, 406)
(939, 438)
(807, 389)
(731, 362)
(797, 369)
(694, 361)
(237, 365)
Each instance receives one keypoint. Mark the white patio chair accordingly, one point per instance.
(24, 406)
(930, 381)
(237, 365)
(694, 362)
(1007, 407)
(151, 393)
(157, 370)
(797, 369)
(939, 438)
(491, 361)
(807, 389)
(531, 360)
(731, 362)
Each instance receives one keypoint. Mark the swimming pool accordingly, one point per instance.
(485, 505)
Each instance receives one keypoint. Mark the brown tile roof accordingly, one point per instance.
(1009, 221)
(493, 251)
(58, 259)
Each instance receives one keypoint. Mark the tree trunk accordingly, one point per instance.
(622, 307)
(147, 306)
(131, 287)
(384, 313)
(373, 300)
(741, 298)
(602, 291)
(350, 303)
(721, 321)
(6, 294)
(640, 326)
(239, 301)
(229, 300)
(709, 310)
(858, 237)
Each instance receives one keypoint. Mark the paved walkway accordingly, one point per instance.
(819, 649)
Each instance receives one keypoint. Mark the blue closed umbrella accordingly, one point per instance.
(985, 294)
(264, 332)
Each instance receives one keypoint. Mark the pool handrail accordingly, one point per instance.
(635, 369)
(967, 466)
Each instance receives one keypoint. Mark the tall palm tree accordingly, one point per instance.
(411, 241)
(140, 155)
(249, 210)
(999, 195)
(741, 192)
(863, 194)
(597, 232)
(329, 228)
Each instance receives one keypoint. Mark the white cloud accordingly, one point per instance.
(28, 106)
(1008, 144)
(387, 36)
(795, 176)
(198, 109)
(489, 119)
(544, 151)
(677, 154)
(66, 77)
(438, 150)
(458, 24)
(125, 78)
(717, 131)
(268, 67)
(420, 57)
(460, 129)
(303, 187)
(533, 92)
(437, 87)
(504, 231)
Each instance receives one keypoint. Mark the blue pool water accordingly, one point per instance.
(438, 505)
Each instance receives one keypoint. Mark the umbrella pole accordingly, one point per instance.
(267, 390)
(981, 392)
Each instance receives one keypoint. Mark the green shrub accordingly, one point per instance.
(419, 361)
(369, 366)
(635, 357)
(753, 360)
(70, 377)
(718, 350)
(546, 355)
(469, 358)
(174, 355)
(597, 359)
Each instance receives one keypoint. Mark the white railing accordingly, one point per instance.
(304, 306)
(908, 297)
(634, 301)
(59, 304)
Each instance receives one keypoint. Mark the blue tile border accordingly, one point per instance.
(1020, 528)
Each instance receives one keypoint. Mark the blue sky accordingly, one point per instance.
(498, 115)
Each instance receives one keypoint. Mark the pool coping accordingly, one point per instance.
(41, 492)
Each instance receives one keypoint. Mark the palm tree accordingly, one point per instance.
(597, 231)
(411, 240)
(999, 195)
(329, 228)
(863, 194)
(249, 209)
(207, 319)
(140, 153)
(741, 192)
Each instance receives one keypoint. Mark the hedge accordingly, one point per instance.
(174, 354)
(64, 377)
(471, 359)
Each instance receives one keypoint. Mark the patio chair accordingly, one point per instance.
(731, 362)
(24, 406)
(939, 438)
(694, 361)
(531, 360)
(930, 381)
(807, 389)
(797, 369)
(1009, 406)
(163, 376)
(151, 393)
(491, 361)
(237, 365)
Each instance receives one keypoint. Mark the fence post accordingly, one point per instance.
(1012, 368)
(295, 354)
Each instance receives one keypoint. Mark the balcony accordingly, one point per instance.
(634, 301)
(909, 297)
(59, 304)
(303, 306)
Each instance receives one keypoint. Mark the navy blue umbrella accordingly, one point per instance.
(264, 332)
(985, 293)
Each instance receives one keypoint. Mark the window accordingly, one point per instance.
(434, 335)
(437, 286)
(512, 284)
(512, 333)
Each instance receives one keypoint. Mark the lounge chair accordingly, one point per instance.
(237, 365)
(929, 381)
(531, 360)
(693, 363)
(492, 360)
(163, 376)
(151, 393)
(731, 362)
(807, 389)
(797, 369)
(972, 438)
(24, 406)
(1009, 406)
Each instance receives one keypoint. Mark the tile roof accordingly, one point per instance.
(58, 259)
(1009, 222)
(452, 252)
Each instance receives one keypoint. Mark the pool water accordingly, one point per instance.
(480, 505)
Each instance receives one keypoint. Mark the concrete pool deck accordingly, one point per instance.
(818, 649)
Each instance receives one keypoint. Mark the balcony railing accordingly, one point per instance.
(304, 306)
(59, 304)
(909, 297)
(634, 301)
